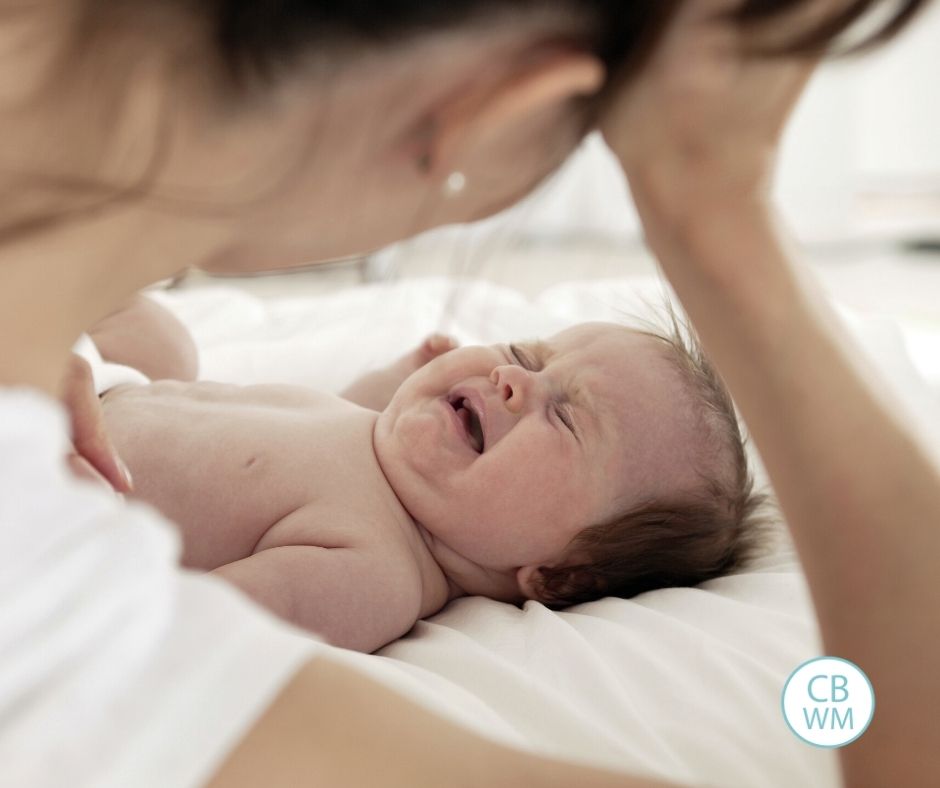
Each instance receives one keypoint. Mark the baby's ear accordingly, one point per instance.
(561, 585)
(529, 580)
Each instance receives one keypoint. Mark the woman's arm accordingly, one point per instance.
(332, 726)
(860, 494)
(697, 136)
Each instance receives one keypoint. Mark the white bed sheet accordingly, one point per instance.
(682, 684)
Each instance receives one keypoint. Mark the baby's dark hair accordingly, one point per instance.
(679, 540)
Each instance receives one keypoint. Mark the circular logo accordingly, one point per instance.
(828, 702)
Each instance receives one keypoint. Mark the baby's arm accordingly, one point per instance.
(147, 337)
(375, 390)
(349, 596)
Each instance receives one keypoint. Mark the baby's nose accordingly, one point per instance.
(512, 385)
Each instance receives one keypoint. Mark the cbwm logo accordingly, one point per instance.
(828, 702)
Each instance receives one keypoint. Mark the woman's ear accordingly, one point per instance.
(547, 79)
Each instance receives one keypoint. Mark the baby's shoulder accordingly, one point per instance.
(386, 560)
(326, 523)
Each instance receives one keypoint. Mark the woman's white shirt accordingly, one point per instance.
(117, 667)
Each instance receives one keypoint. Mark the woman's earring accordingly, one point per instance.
(455, 184)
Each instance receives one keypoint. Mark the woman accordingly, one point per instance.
(142, 138)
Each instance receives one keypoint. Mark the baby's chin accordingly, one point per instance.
(382, 431)
(393, 450)
(396, 424)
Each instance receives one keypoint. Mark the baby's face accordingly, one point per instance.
(505, 453)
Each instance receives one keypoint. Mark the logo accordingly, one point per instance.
(828, 702)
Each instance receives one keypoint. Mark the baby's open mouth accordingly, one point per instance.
(471, 422)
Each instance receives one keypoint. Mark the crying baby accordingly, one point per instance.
(604, 460)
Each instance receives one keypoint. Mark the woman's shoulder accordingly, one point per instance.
(99, 623)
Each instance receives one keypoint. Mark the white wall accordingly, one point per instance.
(867, 126)
(898, 111)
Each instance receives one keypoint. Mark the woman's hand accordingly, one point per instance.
(702, 122)
(94, 457)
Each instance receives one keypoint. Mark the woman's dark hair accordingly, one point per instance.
(819, 37)
(266, 36)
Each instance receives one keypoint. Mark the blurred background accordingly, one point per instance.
(859, 184)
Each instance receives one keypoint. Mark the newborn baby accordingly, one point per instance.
(603, 460)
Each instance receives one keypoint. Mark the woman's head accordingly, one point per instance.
(301, 130)
(308, 130)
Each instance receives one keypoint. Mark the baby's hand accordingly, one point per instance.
(376, 389)
(432, 347)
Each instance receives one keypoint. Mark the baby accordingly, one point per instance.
(601, 461)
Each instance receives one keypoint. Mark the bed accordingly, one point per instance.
(682, 684)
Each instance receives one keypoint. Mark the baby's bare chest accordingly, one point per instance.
(228, 463)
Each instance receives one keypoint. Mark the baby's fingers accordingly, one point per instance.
(437, 345)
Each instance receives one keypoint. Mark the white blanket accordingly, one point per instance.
(683, 684)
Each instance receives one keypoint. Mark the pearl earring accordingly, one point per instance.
(455, 184)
